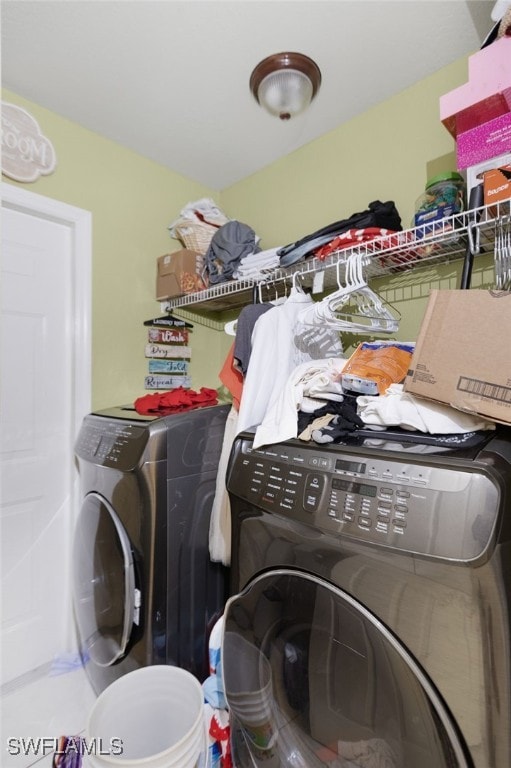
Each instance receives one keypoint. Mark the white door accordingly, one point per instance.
(45, 392)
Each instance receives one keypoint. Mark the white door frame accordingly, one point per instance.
(79, 222)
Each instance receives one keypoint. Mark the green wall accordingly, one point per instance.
(386, 153)
(132, 201)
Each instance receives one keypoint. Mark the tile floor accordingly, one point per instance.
(42, 705)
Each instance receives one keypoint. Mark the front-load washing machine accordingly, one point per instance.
(144, 588)
(369, 618)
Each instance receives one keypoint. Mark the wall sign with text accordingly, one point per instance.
(26, 152)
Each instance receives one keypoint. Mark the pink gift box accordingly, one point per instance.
(484, 142)
(485, 97)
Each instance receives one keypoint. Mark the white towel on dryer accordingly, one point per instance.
(397, 408)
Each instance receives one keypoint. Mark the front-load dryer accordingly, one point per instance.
(144, 588)
(369, 622)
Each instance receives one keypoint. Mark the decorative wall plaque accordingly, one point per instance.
(26, 153)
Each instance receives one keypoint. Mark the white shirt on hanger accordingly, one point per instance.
(271, 360)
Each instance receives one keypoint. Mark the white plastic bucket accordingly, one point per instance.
(249, 689)
(152, 718)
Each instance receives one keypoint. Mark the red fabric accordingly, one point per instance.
(349, 238)
(222, 736)
(403, 246)
(217, 732)
(175, 400)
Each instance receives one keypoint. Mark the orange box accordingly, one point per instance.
(497, 184)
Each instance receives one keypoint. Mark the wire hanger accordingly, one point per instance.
(297, 284)
(231, 327)
(502, 254)
(370, 311)
(354, 307)
(168, 321)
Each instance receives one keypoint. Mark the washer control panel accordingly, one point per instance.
(111, 443)
(432, 509)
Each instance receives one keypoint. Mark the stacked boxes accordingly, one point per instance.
(478, 114)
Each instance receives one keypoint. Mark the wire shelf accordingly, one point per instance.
(437, 242)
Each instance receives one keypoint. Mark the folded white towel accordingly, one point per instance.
(260, 257)
(397, 408)
(254, 264)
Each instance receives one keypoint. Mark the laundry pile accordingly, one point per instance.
(289, 378)
(377, 216)
(201, 210)
(196, 224)
(312, 386)
(230, 246)
(232, 251)
(313, 405)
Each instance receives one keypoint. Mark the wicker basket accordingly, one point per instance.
(196, 235)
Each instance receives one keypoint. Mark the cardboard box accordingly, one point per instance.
(179, 273)
(463, 353)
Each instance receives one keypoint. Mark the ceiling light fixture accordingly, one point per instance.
(285, 83)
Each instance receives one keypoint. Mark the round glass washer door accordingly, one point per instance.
(313, 679)
(103, 578)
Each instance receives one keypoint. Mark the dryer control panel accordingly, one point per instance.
(409, 504)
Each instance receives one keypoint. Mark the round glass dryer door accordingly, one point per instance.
(313, 679)
(103, 581)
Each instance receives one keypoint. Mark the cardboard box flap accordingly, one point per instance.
(165, 265)
(463, 353)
